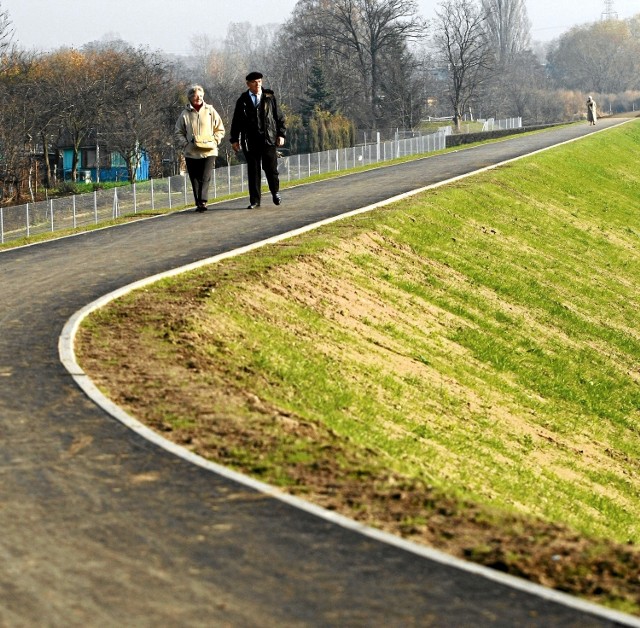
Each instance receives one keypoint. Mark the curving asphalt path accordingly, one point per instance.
(100, 527)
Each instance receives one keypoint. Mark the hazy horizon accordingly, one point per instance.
(170, 27)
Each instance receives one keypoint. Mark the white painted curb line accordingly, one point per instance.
(67, 356)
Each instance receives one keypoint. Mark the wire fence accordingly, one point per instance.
(81, 210)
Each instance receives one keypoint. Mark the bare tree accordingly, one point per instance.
(16, 128)
(45, 107)
(133, 116)
(6, 31)
(251, 46)
(516, 88)
(224, 80)
(400, 90)
(363, 31)
(299, 55)
(518, 76)
(461, 42)
(74, 85)
(603, 57)
(508, 28)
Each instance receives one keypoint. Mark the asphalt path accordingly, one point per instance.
(100, 527)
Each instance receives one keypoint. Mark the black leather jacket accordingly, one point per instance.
(254, 127)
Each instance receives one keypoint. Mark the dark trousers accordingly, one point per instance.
(267, 159)
(200, 174)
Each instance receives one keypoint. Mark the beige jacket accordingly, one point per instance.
(203, 122)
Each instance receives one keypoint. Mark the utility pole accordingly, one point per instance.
(609, 13)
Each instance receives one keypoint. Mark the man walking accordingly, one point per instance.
(258, 126)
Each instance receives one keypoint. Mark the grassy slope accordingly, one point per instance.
(480, 340)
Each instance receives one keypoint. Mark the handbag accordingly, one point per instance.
(204, 141)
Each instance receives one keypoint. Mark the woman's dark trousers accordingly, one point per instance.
(200, 174)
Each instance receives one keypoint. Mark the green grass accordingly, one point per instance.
(482, 337)
(479, 341)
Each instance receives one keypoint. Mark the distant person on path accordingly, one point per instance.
(258, 126)
(592, 114)
(198, 132)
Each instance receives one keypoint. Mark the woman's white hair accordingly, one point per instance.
(198, 88)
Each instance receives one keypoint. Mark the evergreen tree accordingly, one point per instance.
(318, 95)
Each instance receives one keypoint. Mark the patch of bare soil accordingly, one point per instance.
(234, 427)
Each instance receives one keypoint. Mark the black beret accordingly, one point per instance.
(253, 76)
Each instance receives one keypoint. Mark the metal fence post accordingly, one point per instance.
(27, 214)
(135, 200)
(115, 203)
(153, 204)
(1, 225)
(95, 206)
(169, 179)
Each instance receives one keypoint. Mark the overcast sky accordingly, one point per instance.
(170, 25)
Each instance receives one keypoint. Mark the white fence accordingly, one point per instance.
(80, 210)
(500, 125)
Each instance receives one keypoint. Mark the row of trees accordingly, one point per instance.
(339, 68)
(116, 97)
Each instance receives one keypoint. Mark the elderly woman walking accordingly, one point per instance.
(592, 114)
(198, 132)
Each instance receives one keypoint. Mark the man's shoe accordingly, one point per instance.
(201, 208)
(277, 199)
(253, 205)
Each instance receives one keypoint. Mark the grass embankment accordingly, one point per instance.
(461, 368)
